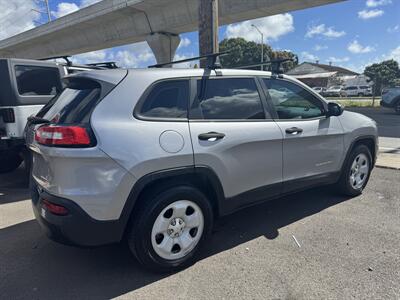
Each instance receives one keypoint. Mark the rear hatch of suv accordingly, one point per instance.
(62, 127)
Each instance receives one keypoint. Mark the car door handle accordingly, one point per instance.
(211, 136)
(294, 130)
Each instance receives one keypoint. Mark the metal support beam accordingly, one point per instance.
(163, 45)
(208, 28)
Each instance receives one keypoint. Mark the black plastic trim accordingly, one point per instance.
(356, 140)
(77, 228)
(144, 181)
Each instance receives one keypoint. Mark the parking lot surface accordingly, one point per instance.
(388, 121)
(347, 248)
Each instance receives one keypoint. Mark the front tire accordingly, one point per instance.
(168, 231)
(356, 172)
(9, 161)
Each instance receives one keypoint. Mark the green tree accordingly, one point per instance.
(286, 66)
(383, 74)
(244, 53)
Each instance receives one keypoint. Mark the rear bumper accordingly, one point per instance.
(77, 228)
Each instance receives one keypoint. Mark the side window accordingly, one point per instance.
(227, 98)
(291, 101)
(167, 99)
(37, 81)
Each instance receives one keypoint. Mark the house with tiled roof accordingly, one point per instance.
(322, 75)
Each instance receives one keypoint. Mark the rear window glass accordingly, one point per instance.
(73, 105)
(37, 81)
(167, 99)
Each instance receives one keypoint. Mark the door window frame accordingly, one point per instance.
(268, 113)
(317, 98)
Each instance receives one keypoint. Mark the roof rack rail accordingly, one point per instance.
(213, 60)
(275, 65)
(65, 57)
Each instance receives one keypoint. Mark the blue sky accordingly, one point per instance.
(352, 33)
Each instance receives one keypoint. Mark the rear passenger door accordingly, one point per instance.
(313, 143)
(234, 135)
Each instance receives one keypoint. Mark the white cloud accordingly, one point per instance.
(323, 30)
(90, 57)
(394, 54)
(185, 42)
(272, 27)
(64, 8)
(394, 29)
(369, 14)
(130, 56)
(320, 47)
(188, 64)
(375, 3)
(338, 59)
(357, 48)
(308, 56)
(17, 16)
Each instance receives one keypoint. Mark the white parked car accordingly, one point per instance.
(334, 91)
(320, 90)
(360, 91)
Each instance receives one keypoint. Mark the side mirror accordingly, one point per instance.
(334, 109)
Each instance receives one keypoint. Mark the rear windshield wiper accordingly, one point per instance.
(36, 120)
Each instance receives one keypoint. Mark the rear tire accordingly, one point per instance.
(168, 231)
(356, 171)
(9, 161)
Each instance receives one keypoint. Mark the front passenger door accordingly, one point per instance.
(313, 144)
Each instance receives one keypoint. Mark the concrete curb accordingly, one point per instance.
(387, 167)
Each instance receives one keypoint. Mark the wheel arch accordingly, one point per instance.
(368, 140)
(200, 177)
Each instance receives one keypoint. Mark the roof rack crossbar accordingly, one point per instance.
(107, 64)
(213, 60)
(65, 57)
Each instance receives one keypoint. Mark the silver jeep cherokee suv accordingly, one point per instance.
(154, 156)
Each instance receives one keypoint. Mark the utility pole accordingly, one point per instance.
(47, 11)
(262, 45)
(208, 28)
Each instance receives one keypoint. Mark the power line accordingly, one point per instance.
(47, 9)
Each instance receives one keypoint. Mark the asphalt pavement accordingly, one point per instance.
(388, 121)
(312, 245)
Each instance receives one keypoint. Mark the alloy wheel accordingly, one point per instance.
(359, 171)
(177, 229)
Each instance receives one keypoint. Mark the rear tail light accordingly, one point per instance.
(66, 136)
(55, 209)
(8, 115)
